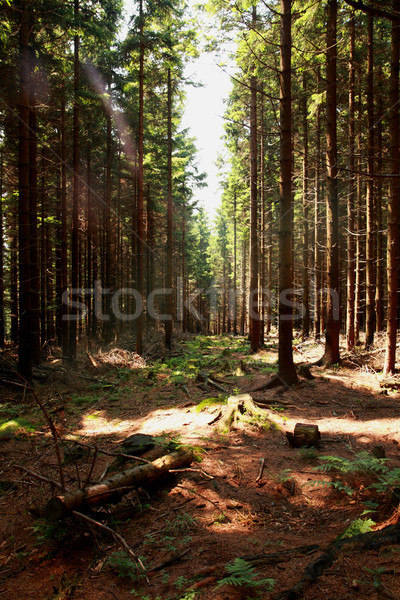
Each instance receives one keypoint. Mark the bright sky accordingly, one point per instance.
(204, 117)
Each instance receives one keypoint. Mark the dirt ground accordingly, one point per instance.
(187, 529)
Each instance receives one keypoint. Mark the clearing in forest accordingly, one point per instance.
(248, 515)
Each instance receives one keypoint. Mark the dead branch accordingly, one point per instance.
(204, 498)
(170, 561)
(41, 477)
(367, 541)
(277, 557)
(115, 535)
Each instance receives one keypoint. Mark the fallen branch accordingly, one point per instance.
(170, 561)
(204, 498)
(278, 557)
(116, 536)
(372, 540)
(54, 433)
(41, 477)
(59, 506)
(261, 471)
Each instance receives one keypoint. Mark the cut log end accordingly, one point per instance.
(304, 435)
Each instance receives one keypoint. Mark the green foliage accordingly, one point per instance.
(362, 463)
(123, 565)
(357, 527)
(17, 424)
(308, 454)
(46, 532)
(183, 522)
(243, 574)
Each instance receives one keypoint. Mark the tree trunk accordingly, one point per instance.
(332, 355)
(75, 197)
(379, 287)
(351, 265)
(109, 251)
(139, 211)
(2, 328)
(25, 322)
(370, 254)
(287, 371)
(254, 316)
(306, 288)
(393, 203)
(168, 322)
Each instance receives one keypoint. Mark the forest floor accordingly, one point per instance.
(204, 518)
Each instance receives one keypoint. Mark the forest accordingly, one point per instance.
(197, 407)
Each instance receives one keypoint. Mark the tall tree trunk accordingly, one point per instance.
(243, 315)
(394, 197)
(370, 254)
(234, 300)
(33, 215)
(317, 227)
(168, 322)
(359, 230)
(262, 224)
(379, 287)
(2, 328)
(332, 355)
(254, 316)
(25, 322)
(139, 211)
(351, 265)
(306, 288)
(287, 370)
(75, 195)
(109, 251)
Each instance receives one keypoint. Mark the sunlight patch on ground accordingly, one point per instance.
(156, 423)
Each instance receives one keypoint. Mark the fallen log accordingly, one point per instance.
(373, 540)
(59, 506)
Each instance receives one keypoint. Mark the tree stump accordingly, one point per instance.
(304, 435)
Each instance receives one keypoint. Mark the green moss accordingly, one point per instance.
(210, 402)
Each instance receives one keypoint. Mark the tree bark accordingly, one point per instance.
(168, 322)
(254, 316)
(306, 287)
(370, 254)
(140, 194)
(332, 355)
(287, 371)
(60, 506)
(25, 321)
(394, 196)
(351, 194)
(73, 323)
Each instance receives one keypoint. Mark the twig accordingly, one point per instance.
(42, 478)
(174, 558)
(261, 471)
(193, 471)
(91, 467)
(116, 536)
(204, 498)
(50, 423)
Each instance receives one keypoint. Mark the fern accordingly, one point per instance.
(242, 574)
(357, 527)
